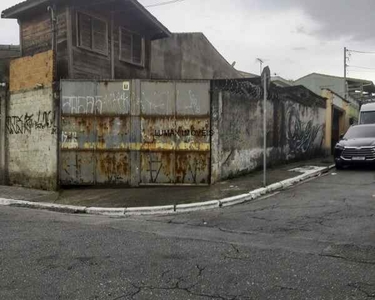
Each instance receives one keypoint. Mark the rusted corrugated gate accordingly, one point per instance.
(135, 132)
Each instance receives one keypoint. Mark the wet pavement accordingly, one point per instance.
(165, 195)
(312, 241)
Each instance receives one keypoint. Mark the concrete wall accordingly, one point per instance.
(32, 139)
(349, 111)
(3, 101)
(31, 123)
(7, 52)
(295, 126)
(188, 56)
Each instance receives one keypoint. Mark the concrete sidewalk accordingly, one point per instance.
(157, 196)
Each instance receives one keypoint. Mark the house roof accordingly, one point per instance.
(368, 85)
(14, 10)
(284, 81)
(336, 77)
(247, 74)
(19, 9)
(300, 93)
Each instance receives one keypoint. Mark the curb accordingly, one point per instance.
(168, 209)
(197, 206)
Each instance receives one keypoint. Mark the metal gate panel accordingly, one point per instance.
(192, 168)
(96, 131)
(157, 133)
(112, 167)
(78, 136)
(113, 133)
(193, 98)
(175, 125)
(138, 132)
(193, 134)
(113, 98)
(158, 105)
(193, 139)
(157, 167)
(77, 132)
(158, 98)
(77, 168)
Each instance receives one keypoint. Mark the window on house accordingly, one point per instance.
(131, 47)
(92, 33)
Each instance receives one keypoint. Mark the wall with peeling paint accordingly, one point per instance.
(32, 139)
(295, 126)
(188, 55)
(31, 123)
(137, 132)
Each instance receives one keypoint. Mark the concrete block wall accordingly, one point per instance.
(31, 123)
(295, 127)
(32, 139)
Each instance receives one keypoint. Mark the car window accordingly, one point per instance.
(368, 117)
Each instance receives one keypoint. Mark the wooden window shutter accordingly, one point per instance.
(126, 45)
(99, 35)
(137, 49)
(84, 25)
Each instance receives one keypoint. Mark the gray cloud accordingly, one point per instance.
(338, 18)
(299, 48)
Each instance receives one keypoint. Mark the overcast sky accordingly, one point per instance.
(294, 37)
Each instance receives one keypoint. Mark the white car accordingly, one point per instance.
(367, 114)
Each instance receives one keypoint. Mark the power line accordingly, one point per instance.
(151, 5)
(361, 71)
(163, 3)
(360, 67)
(363, 52)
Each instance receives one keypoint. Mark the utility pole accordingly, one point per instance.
(261, 65)
(345, 65)
(265, 80)
(264, 128)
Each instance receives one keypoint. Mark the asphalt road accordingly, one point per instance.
(313, 241)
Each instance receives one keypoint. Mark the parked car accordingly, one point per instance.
(367, 114)
(357, 146)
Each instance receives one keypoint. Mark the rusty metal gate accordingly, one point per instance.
(136, 132)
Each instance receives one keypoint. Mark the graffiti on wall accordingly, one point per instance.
(25, 124)
(300, 135)
(113, 102)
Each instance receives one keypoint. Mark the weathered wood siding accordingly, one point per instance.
(36, 37)
(127, 70)
(36, 34)
(89, 64)
(76, 62)
(62, 50)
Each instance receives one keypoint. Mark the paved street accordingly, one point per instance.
(313, 241)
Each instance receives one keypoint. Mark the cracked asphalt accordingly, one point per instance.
(312, 241)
